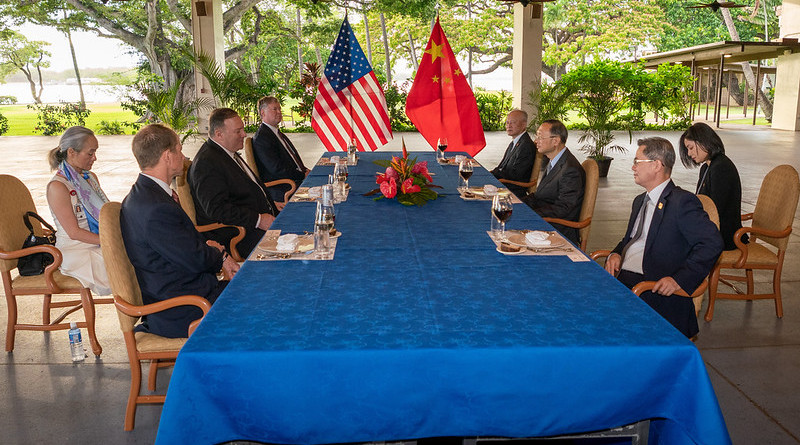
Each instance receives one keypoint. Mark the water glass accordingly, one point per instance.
(352, 152)
(323, 247)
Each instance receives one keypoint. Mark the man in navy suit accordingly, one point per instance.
(520, 155)
(669, 240)
(170, 257)
(225, 190)
(275, 154)
(559, 193)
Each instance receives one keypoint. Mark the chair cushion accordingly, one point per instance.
(757, 255)
(147, 342)
(66, 283)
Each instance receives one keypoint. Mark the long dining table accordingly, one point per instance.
(419, 327)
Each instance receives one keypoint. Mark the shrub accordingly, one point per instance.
(396, 103)
(305, 91)
(54, 119)
(3, 125)
(8, 100)
(114, 127)
(493, 108)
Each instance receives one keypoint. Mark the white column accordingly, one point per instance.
(208, 39)
(786, 109)
(527, 55)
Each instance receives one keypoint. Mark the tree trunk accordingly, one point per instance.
(763, 100)
(75, 66)
(469, 53)
(366, 29)
(413, 50)
(36, 97)
(386, 51)
(299, 44)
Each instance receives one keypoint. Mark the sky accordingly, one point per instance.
(90, 50)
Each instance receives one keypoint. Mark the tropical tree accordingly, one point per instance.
(19, 53)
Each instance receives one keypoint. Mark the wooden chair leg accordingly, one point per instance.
(48, 298)
(152, 375)
(12, 321)
(136, 384)
(750, 283)
(776, 289)
(713, 283)
(88, 311)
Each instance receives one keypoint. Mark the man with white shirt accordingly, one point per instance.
(559, 193)
(275, 154)
(168, 254)
(669, 240)
(520, 155)
(225, 190)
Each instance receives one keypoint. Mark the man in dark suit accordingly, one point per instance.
(669, 239)
(225, 190)
(520, 155)
(275, 154)
(170, 257)
(559, 193)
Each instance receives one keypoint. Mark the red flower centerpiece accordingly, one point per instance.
(406, 180)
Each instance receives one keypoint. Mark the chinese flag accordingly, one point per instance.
(441, 103)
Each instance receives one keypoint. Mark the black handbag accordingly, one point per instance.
(35, 263)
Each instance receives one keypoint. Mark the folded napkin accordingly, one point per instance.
(460, 158)
(334, 159)
(315, 192)
(537, 238)
(287, 243)
(489, 190)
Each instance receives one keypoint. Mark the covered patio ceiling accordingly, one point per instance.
(733, 51)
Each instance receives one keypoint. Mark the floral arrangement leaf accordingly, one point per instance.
(405, 180)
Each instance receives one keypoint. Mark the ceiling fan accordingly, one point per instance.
(716, 5)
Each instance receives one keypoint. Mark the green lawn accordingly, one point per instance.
(22, 120)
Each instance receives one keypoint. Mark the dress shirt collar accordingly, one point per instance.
(272, 127)
(164, 186)
(517, 138)
(655, 194)
(230, 153)
(557, 157)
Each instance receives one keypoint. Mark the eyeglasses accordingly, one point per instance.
(639, 161)
(540, 137)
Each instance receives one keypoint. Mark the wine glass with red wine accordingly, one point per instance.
(465, 171)
(441, 146)
(501, 209)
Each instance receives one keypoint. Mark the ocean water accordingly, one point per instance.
(63, 92)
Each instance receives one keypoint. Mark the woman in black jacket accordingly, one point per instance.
(719, 179)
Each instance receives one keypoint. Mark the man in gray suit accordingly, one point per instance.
(560, 191)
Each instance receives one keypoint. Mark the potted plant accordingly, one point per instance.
(601, 93)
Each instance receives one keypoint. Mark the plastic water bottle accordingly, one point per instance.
(75, 343)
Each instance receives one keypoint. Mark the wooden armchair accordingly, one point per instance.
(584, 223)
(15, 200)
(141, 346)
(187, 203)
(250, 158)
(536, 171)
(771, 225)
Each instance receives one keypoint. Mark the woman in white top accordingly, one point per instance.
(75, 199)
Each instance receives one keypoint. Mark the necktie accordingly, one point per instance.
(288, 146)
(506, 155)
(639, 227)
(175, 197)
(252, 177)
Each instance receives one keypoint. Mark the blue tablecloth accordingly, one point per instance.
(419, 328)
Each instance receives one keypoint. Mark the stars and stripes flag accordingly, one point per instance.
(441, 103)
(350, 104)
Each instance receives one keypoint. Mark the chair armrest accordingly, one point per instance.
(567, 223)
(49, 270)
(183, 300)
(599, 254)
(743, 250)
(289, 182)
(234, 241)
(521, 184)
(747, 217)
(645, 286)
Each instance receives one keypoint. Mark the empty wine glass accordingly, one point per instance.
(501, 209)
(441, 146)
(465, 171)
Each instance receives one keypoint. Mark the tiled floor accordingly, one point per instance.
(753, 357)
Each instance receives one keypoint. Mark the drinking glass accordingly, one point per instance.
(352, 152)
(465, 171)
(501, 209)
(340, 179)
(441, 146)
(323, 224)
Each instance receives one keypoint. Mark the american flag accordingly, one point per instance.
(350, 103)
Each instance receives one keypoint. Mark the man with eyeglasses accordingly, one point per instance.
(559, 193)
(669, 240)
(520, 155)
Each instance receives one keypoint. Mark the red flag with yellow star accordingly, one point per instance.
(441, 103)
